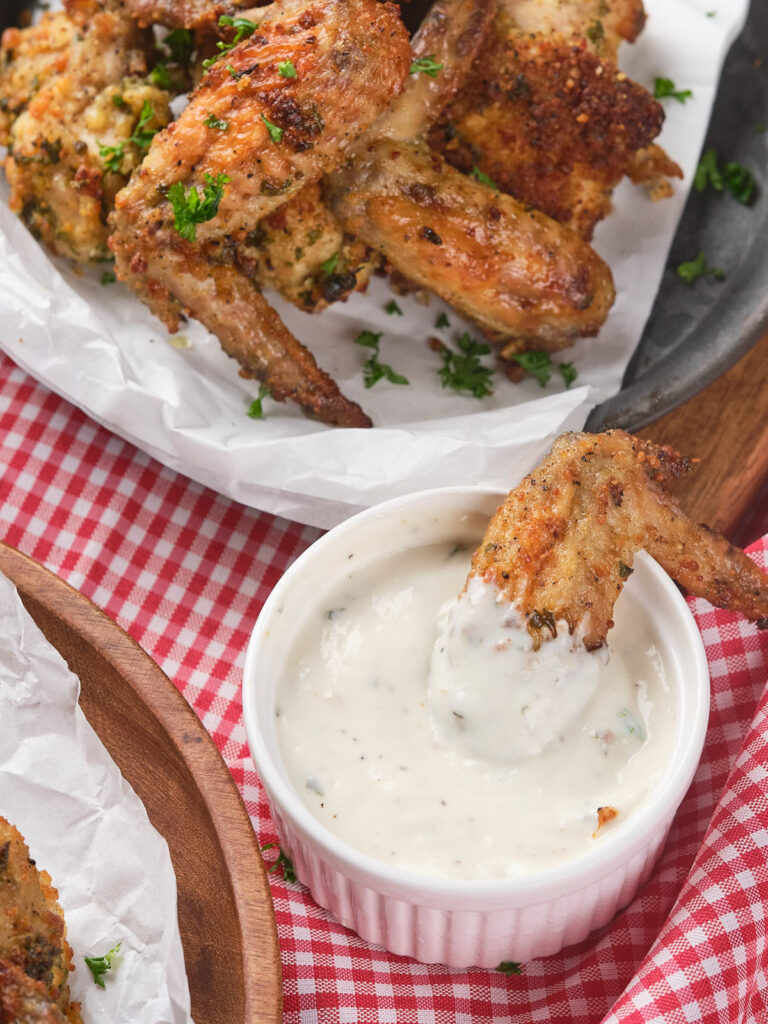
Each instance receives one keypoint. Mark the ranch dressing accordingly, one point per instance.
(489, 774)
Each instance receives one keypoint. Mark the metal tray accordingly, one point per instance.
(696, 332)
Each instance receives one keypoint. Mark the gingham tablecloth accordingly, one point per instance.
(185, 572)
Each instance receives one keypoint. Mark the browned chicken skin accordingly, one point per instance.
(283, 133)
(561, 546)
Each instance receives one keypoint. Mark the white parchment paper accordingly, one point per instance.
(102, 349)
(87, 828)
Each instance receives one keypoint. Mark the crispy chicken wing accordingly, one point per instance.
(71, 140)
(281, 133)
(33, 935)
(547, 115)
(510, 268)
(23, 1000)
(562, 544)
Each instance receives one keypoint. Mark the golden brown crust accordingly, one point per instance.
(562, 544)
(32, 930)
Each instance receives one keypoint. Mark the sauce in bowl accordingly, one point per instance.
(496, 770)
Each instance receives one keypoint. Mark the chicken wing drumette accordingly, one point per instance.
(561, 546)
(78, 115)
(547, 115)
(269, 118)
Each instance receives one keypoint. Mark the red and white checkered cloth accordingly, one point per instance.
(185, 572)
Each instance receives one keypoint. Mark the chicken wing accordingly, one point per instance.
(561, 546)
(252, 136)
(512, 269)
(546, 114)
(83, 124)
(23, 1000)
(33, 935)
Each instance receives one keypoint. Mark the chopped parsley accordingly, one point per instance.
(233, 71)
(442, 322)
(190, 208)
(256, 409)
(108, 277)
(180, 44)
(112, 156)
(330, 264)
(215, 122)
(568, 372)
(538, 364)
(596, 33)
(483, 178)
(243, 29)
(373, 370)
(284, 862)
(664, 88)
(463, 371)
(99, 965)
(692, 270)
(510, 967)
(734, 177)
(159, 76)
(425, 66)
(286, 69)
(118, 100)
(625, 571)
(275, 133)
(393, 309)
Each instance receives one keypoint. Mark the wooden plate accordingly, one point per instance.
(225, 910)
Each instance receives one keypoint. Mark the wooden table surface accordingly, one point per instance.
(726, 426)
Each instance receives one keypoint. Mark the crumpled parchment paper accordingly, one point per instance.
(87, 828)
(102, 349)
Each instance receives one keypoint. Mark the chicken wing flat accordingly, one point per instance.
(23, 1000)
(33, 935)
(80, 131)
(561, 546)
(251, 137)
(546, 114)
(511, 269)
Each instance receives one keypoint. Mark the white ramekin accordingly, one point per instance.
(478, 923)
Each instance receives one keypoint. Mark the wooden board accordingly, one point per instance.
(226, 916)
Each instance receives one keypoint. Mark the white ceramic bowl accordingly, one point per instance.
(464, 923)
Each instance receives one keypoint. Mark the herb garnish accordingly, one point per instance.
(625, 571)
(510, 967)
(442, 322)
(289, 875)
(330, 264)
(739, 181)
(159, 76)
(425, 66)
(256, 409)
(708, 173)
(373, 370)
(275, 133)
(483, 178)
(691, 270)
(243, 29)
(463, 371)
(99, 965)
(734, 177)
(112, 156)
(393, 309)
(538, 364)
(664, 88)
(568, 372)
(117, 100)
(180, 43)
(286, 69)
(108, 277)
(215, 122)
(596, 33)
(190, 208)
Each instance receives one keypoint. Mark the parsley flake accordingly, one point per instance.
(740, 182)
(99, 965)
(664, 88)
(108, 277)
(425, 66)
(692, 270)
(275, 133)
(538, 364)
(243, 29)
(442, 322)
(373, 370)
(180, 44)
(256, 409)
(159, 76)
(568, 372)
(510, 967)
(463, 371)
(708, 173)
(330, 264)
(190, 208)
(286, 69)
(284, 862)
(596, 33)
(735, 177)
(118, 100)
(393, 309)
(483, 178)
(215, 122)
(112, 156)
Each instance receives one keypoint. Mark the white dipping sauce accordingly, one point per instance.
(493, 771)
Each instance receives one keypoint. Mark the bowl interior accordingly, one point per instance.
(460, 514)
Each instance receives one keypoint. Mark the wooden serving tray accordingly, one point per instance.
(226, 917)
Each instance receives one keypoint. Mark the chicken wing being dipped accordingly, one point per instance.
(513, 270)
(268, 119)
(561, 546)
